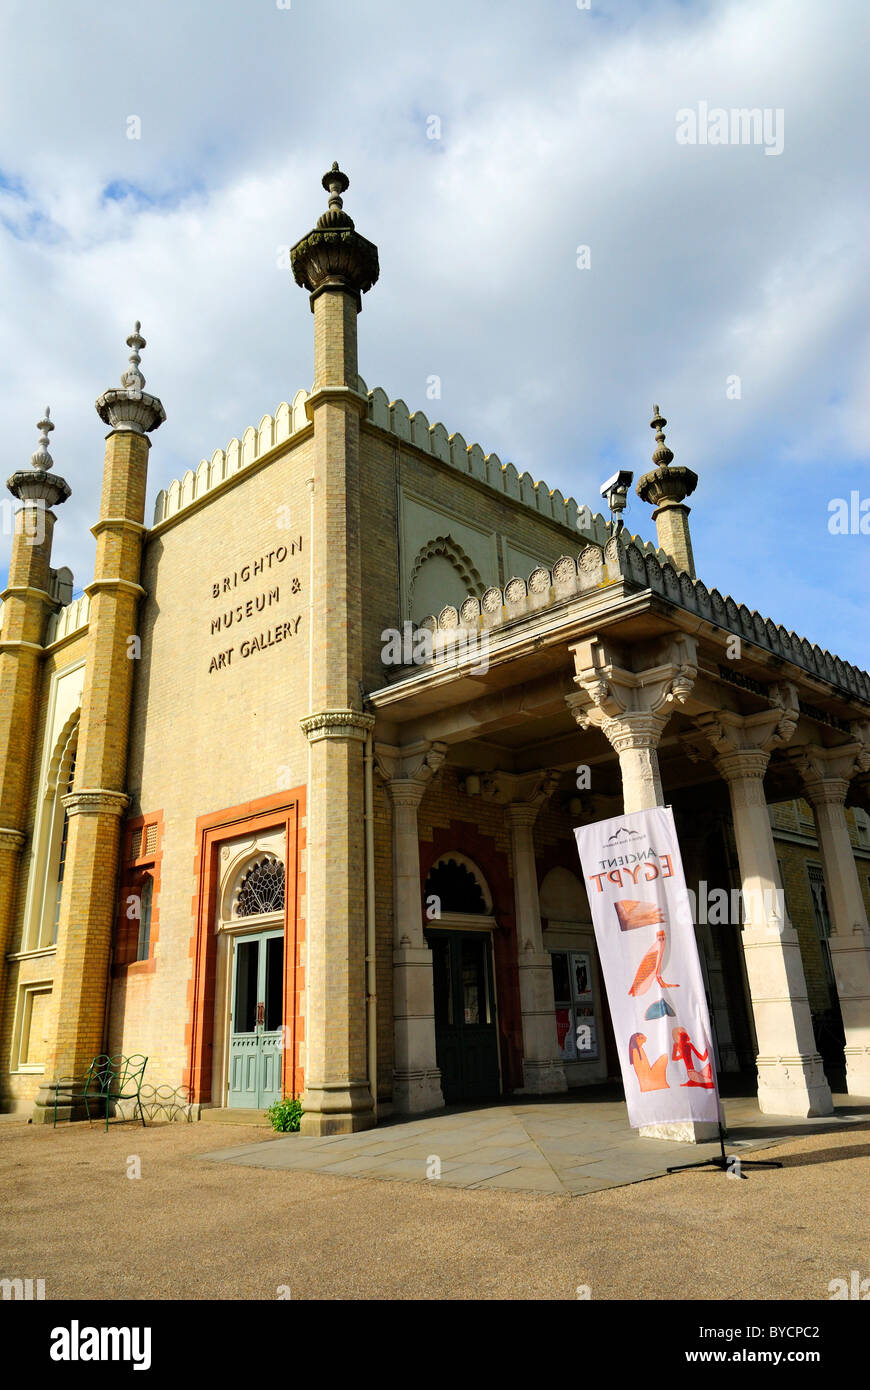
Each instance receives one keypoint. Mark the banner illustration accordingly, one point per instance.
(651, 967)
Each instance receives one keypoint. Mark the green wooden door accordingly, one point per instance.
(256, 1020)
(466, 1037)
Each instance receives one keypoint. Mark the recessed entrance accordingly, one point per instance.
(466, 1034)
(256, 1020)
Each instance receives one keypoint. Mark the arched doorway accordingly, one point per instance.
(249, 1022)
(459, 907)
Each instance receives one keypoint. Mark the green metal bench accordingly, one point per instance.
(107, 1079)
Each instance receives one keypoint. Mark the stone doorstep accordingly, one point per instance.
(227, 1116)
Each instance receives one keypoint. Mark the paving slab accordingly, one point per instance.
(567, 1145)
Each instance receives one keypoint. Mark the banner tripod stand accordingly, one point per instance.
(723, 1162)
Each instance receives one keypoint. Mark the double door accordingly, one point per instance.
(256, 1019)
(466, 1032)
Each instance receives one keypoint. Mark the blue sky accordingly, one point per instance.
(557, 130)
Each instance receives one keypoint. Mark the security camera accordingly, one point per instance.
(615, 492)
(620, 482)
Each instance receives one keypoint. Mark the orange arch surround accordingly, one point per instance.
(282, 810)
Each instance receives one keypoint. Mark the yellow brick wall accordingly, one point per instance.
(794, 860)
(18, 1089)
(202, 741)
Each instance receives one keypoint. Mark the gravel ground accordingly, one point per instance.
(188, 1228)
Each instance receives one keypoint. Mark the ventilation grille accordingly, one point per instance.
(151, 839)
(136, 843)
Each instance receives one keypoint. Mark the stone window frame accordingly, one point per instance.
(41, 906)
(21, 1026)
(141, 859)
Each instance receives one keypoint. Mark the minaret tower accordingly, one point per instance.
(27, 604)
(98, 799)
(665, 488)
(336, 265)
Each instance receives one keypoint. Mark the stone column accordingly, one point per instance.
(98, 799)
(337, 1097)
(416, 1075)
(826, 774)
(27, 604)
(632, 708)
(335, 264)
(543, 1072)
(791, 1080)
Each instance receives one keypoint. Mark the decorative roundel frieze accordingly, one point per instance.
(564, 571)
(515, 591)
(470, 611)
(539, 581)
(591, 559)
(491, 601)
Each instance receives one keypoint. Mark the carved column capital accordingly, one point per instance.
(741, 745)
(95, 801)
(11, 839)
(348, 724)
(860, 731)
(400, 766)
(516, 791)
(610, 695)
(634, 731)
(825, 772)
(405, 793)
(521, 814)
(746, 764)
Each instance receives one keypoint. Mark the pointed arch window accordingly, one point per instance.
(64, 837)
(261, 889)
(456, 886)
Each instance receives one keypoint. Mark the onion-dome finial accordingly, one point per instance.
(41, 458)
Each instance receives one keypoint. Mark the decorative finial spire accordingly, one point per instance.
(132, 408)
(335, 183)
(335, 218)
(666, 489)
(663, 456)
(41, 458)
(132, 378)
(39, 487)
(333, 254)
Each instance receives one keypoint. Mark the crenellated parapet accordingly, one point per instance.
(596, 567)
(256, 441)
(414, 430)
(68, 620)
(471, 461)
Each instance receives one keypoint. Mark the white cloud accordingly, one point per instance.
(558, 129)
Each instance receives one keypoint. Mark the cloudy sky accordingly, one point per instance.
(557, 129)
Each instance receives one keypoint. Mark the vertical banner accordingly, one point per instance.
(643, 924)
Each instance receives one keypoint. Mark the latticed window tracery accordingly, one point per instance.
(261, 889)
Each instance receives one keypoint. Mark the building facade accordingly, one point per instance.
(287, 797)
